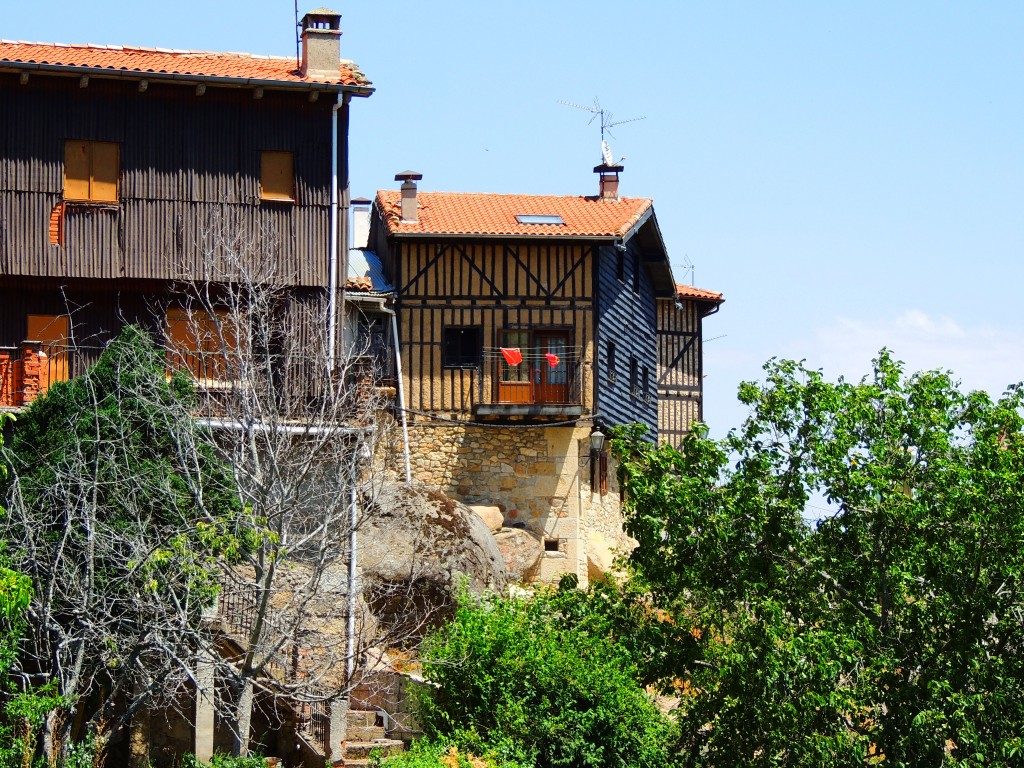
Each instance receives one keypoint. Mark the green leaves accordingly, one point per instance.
(538, 682)
(891, 627)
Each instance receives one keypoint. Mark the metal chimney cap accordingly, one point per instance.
(408, 176)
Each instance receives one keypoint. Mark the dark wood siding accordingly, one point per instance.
(99, 309)
(627, 319)
(188, 164)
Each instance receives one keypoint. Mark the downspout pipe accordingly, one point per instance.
(332, 281)
(401, 398)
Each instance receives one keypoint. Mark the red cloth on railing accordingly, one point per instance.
(552, 359)
(512, 356)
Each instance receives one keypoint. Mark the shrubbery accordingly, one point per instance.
(529, 682)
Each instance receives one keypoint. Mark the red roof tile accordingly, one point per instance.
(164, 62)
(471, 213)
(690, 292)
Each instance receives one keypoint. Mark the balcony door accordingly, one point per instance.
(535, 380)
(515, 385)
(552, 381)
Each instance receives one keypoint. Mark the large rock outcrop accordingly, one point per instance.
(416, 547)
(521, 550)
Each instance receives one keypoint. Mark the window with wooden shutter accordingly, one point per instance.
(201, 343)
(277, 176)
(91, 170)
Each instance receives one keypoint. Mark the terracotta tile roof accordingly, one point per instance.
(690, 292)
(470, 213)
(165, 62)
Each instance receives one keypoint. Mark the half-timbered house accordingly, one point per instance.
(681, 359)
(528, 325)
(119, 165)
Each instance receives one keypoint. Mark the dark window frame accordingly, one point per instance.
(464, 350)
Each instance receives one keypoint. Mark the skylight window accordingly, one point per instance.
(539, 218)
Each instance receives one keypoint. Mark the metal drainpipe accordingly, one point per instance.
(401, 398)
(350, 630)
(332, 283)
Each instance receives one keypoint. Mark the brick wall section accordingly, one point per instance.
(533, 475)
(10, 379)
(35, 373)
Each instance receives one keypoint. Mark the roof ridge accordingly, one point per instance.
(593, 198)
(148, 49)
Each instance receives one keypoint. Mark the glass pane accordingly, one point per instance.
(559, 347)
(516, 340)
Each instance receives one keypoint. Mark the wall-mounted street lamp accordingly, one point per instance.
(598, 461)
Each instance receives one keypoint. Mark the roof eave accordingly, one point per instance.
(491, 236)
(661, 270)
(184, 79)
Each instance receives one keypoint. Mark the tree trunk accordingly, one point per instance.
(243, 719)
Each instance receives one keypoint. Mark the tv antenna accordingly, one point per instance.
(607, 122)
(298, 36)
(688, 267)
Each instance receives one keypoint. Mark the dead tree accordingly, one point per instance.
(305, 430)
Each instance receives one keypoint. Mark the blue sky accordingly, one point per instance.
(850, 175)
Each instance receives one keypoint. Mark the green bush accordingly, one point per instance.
(427, 753)
(220, 760)
(528, 683)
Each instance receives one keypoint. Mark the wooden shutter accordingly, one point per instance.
(76, 170)
(277, 176)
(105, 165)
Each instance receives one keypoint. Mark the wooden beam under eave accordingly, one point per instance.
(143, 85)
(200, 89)
(24, 78)
(257, 93)
(83, 81)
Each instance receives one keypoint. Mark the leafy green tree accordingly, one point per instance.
(524, 681)
(116, 511)
(891, 630)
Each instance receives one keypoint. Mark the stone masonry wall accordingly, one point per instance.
(533, 475)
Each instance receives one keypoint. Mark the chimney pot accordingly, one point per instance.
(409, 179)
(321, 44)
(361, 222)
(608, 181)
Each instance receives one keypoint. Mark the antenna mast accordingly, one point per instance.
(607, 123)
(606, 117)
(298, 36)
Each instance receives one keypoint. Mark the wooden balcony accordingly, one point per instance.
(533, 389)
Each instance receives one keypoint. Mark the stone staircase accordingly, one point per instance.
(365, 733)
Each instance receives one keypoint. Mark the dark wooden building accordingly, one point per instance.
(526, 324)
(120, 168)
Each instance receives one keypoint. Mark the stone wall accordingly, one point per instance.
(533, 475)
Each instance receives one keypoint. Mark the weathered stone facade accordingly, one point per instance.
(534, 475)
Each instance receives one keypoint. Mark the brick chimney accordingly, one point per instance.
(409, 179)
(360, 222)
(321, 44)
(608, 181)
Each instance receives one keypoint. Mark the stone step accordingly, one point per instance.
(359, 718)
(365, 733)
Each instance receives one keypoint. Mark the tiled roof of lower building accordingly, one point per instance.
(691, 292)
(484, 214)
